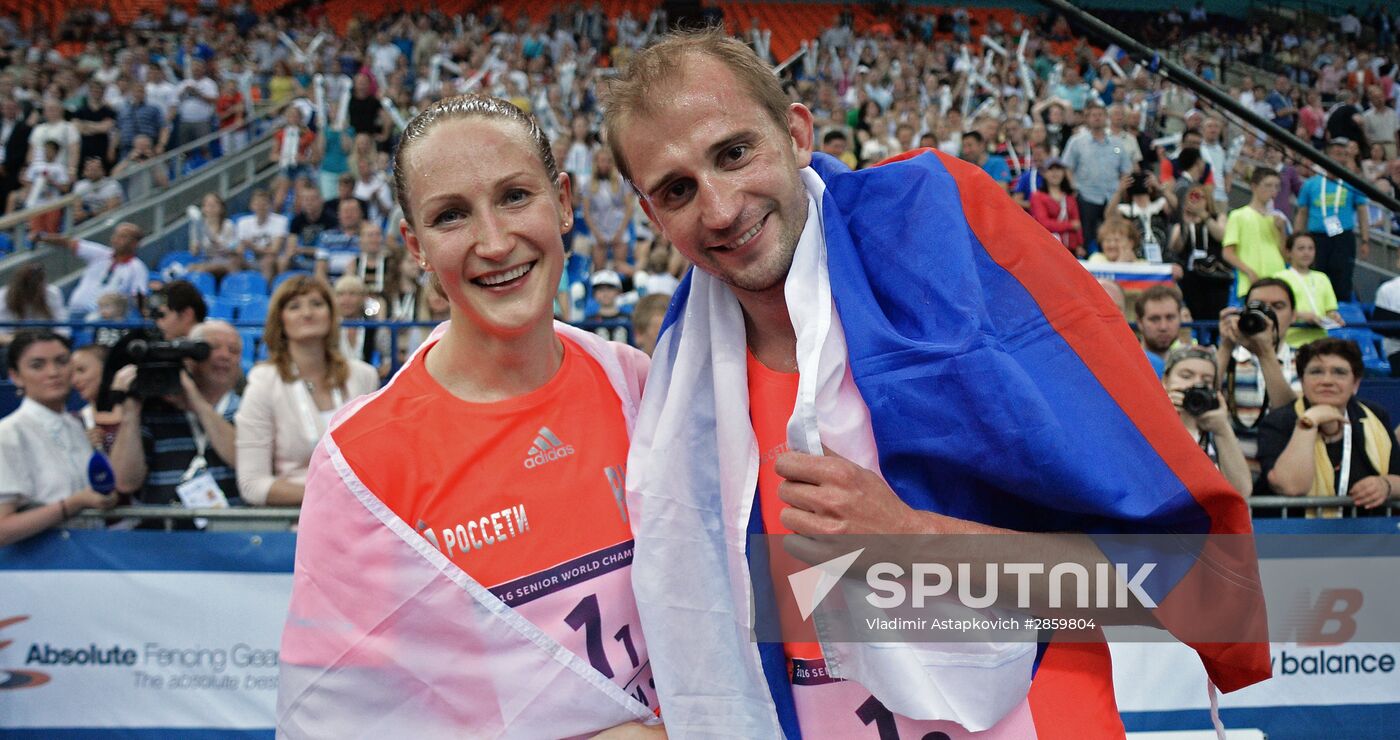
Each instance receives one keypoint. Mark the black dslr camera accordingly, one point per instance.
(1256, 318)
(1198, 399)
(158, 362)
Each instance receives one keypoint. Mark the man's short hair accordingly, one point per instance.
(834, 135)
(1260, 174)
(1276, 283)
(651, 69)
(649, 307)
(179, 295)
(974, 136)
(1157, 293)
(1343, 348)
(1188, 158)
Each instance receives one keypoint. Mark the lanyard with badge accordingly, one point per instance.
(197, 488)
(1332, 224)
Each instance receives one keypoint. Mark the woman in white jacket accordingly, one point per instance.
(290, 398)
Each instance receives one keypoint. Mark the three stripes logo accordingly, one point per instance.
(546, 449)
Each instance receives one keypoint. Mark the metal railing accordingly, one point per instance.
(284, 517)
(145, 179)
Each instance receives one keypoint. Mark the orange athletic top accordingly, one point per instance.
(526, 495)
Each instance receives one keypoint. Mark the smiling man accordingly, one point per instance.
(916, 325)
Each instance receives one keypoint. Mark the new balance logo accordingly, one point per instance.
(547, 448)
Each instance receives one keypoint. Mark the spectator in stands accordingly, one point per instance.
(62, 132)
(140, 118)
(101, 426)
(366, 115)
(1344, 121)
(196, 96)
(1217, 156)
(109, 269)
(1302, 445)
(1118, 240)
(291, 396)
(1259, 372)
(1197, 244)
(337, 248)
(647, 316)
(306, 229)
(1380, 123)
(171, 443)
(1055, 207)
(1032, 178)
(333, 151)
(1317, 304)
(1097, 164)
(262, 232)
(293, 151)
(1195, 367)
(141, 184)
(371, 187)
(1158, 311)
(837, 144)
(607, 209)
(1189, 170)
(1283, 112)
(974, 150)
(99, 192)
(607, 288)
(1335, 214)
(373, 265)
(14, 147)
(1312, 119)
(45, 179)
(1141, 201)
(177, 308)
(29, 297)
(96, 124)
(44, 451)
(214, 238)
(352, 303)
(1254, 232)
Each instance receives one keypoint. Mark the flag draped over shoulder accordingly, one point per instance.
(1002, 387)
(386, 637)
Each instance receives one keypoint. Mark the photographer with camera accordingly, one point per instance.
(1190, 378)
(177, 309)
(1258, 364)
(175, 444)
(1327, 443)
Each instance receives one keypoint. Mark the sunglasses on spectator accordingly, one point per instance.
(157, 314)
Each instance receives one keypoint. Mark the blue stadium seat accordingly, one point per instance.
(253, 349)
(284, 277)
(220, 308)
(246, 283)
(1351, 312)
(252, 308)
(180, 257)
(203, 281)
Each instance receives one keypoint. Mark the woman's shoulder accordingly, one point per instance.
(264, 374)
(362, 373)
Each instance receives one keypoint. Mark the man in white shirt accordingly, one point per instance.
(160, 91)
(263, 231)
(196, 104)
(54, 128)
(114, 269)
(372, 188)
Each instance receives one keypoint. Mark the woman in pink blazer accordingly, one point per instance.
(291, 397)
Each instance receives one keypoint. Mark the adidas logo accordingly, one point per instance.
(547, 448)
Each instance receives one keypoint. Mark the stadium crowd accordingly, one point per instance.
(1115, 162)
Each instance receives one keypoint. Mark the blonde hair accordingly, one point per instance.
(275, 335)
(635, 89)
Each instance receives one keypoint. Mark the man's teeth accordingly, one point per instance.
(504, 277)
(747, 235)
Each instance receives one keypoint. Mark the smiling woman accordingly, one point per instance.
(501, 445)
